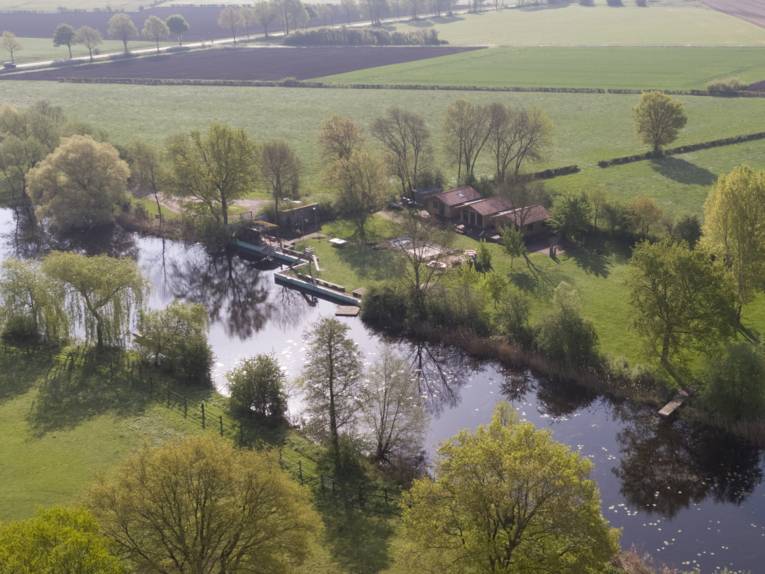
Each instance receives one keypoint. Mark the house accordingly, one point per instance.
(446, 203)
(300, 219)
(480, 213)
(531, 220)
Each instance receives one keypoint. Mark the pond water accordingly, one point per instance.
(691, 496)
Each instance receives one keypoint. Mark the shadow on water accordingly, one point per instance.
(683, 171)
(667, 466)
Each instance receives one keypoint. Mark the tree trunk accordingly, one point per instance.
(70, 50)
(224, 209)
(124, 44)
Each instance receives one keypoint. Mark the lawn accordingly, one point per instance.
(679, 68)
(587, 127)
(574, 25)
(41, 49)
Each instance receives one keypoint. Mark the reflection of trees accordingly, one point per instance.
(666, 467)
(441, 372)
(554, 397)
(109, 240)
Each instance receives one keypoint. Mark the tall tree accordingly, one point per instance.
(734, 229)
(156, 30)
(681, 299)
(467, 130)
(64, 36)
(658, 119)
(178, 26)
(280, 169)
(56, 540)
(393, 409)
(513, 243)
(88, 37)
(515, 137)
(103, 293)
(362, 187)
(79, 185)
(406, 140)
(147, 172)
(265, 13)
(213, 168)
(10, 44)
(332, 377)
(506, 498)
(339, 138)
(200, 505)
(257, 388)
(121, 27)
(231, 19)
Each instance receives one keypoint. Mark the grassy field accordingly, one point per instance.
(622, 67)
(575, 25)
(41, 49)
(54, 5)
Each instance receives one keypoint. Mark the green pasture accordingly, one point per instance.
(677, 68)
(575, 25)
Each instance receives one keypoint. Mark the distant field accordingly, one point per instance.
(750, 10)
(601, 25)
(37, 49)
(247, 63)
(619, 67)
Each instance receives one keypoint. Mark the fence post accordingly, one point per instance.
(300, 470)
(203, 414)
(185, 407)
(220, 418)
(241, 435)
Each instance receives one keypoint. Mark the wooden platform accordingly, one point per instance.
(677, 402)
(346, 311)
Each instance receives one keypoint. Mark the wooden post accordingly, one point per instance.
(203, 414)
(185, 407)
(300, 470)
(220, 418)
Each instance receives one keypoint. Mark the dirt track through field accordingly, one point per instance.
(750, 10)
(266, 64)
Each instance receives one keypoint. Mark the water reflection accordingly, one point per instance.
(665, 467)
(556, 398)
(441, 373)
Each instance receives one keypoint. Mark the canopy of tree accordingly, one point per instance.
(658, 119)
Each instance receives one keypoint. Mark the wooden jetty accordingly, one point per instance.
(671, 407)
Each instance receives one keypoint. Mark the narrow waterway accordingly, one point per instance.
(691, 496)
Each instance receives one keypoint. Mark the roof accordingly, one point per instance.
(457, 196)
(530, 214)
(491, 206)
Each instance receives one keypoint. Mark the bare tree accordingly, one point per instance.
(339, 137)
(280, 171)
(467, 131)
(407, 140)
(515, 137)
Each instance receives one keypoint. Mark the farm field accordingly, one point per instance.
(750, 10)
(575, 25)
(245, 63)
(621, 67)
(38, 49)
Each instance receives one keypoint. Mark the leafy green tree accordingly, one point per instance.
(121, 27)
(331, 378)
(213, 168)
(362, 187)
(10, 44)
(572, 216)
(688, 229)
(200, 505)
(658, 119)
(88, 37)
(64, 36)
(734, 229)
(466, 128)
(231, 19)
(257, 388)
(280, 170)
(645, 215)
(564, 336)
(513, 243)
(156, 30)
(178, 26)
(339, 138)
(483, 258)
(515, 311)
(506, 498)
(681, 299)
(175, 339)
(735, 383)
(79, 185)
(32, 304)
(102, 293)
(54, 541)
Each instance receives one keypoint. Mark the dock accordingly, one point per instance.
(347, 311)
(671, 407)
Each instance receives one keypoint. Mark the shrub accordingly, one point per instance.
(735, 383)
(688, 229)
(515, 313)
(483, 258)
(257, 388)
(459, 302)
(728, 87)
(175, 340)
(385, 308)
(20, 331)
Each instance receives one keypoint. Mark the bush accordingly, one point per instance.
(20, 331)
(483, 258)
(688, 229)
(728, 87)
(459, 302)
(257, 389)
(175, 340)
(515, 313)
(385, 308)
(735, 383)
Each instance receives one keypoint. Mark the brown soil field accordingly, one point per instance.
(242, 64)
(750, 10)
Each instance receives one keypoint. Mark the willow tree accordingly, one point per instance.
(32, 304)
(102, 294)
(506, 498)
(734, 229)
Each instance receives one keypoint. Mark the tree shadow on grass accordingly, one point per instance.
(371, 261)
(535, 280)
(683, 171)
(591, 259)
(87, 384)
(21, 368)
